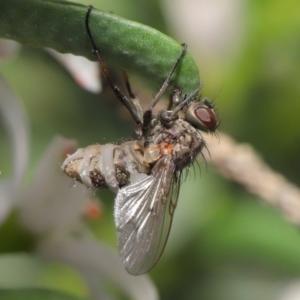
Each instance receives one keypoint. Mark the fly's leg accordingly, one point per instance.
(148, 113)
(130, 104)
(168, 79)
(135, 101)
(128, 86)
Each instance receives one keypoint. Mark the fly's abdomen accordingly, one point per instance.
(93, 166)
(105, 166)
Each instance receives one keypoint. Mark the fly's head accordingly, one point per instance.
(177, 130)
(200, 114)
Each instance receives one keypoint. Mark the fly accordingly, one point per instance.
(145, 173)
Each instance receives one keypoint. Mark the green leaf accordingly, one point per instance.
(129, 45)
(35, 294)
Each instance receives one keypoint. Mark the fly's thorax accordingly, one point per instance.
(179, 139)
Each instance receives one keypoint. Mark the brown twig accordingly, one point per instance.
(242, 164)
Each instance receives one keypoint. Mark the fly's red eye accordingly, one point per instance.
(207, 116)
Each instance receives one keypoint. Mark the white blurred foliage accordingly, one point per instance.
(14, 118)
(9, 48)
(50, 203)
(291, 291)
(85, 72)
(213, 27)
(98, 262)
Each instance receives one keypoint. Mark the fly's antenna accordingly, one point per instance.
(168, 116)
(186, 100)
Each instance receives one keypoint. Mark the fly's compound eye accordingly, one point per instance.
(207, 116)
(202, 115)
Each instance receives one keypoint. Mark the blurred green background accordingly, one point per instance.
(225, 243)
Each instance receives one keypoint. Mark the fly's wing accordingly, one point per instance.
(143, 216)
